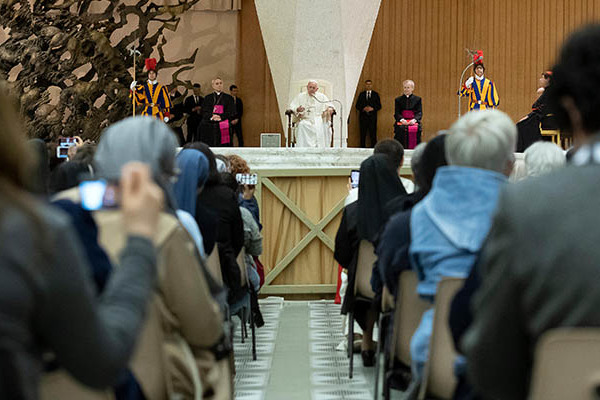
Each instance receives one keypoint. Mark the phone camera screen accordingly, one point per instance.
(92, 194)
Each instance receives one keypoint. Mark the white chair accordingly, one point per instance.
(299, 86)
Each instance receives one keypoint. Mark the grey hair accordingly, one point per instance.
(415, 157)
(543, 157)
(519, 171)
(409, 80)
(312, 81)
(483, 139)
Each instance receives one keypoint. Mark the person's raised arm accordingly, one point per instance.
(93, 338)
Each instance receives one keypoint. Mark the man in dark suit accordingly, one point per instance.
(408, 112)
(176, 120)
(539, 268)
(236, 119)
(193, 107)
(368, 104)
(217, 109)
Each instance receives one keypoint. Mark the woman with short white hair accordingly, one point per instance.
(448, 227)
(543, 157)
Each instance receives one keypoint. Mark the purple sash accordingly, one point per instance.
(223, 125)
(412, 129)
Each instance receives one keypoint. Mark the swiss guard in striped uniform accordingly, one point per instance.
(151, 94)
(481, 91)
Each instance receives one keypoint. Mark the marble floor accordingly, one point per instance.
(298, 357)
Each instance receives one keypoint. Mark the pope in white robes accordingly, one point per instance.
(313, 112)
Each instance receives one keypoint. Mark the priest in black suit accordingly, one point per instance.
(236, 119)
(217, 110)
(408, 113)
(368, 104)
(193, 107)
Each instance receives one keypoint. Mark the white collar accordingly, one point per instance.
(480, 78)
(218, 93)
(152, 82)
(407, 95)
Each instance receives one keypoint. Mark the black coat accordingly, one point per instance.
(238, 107)
(189, 104)
(177, 108)
(346, 250)
(412, 103)
(374, 101)
(222, 201)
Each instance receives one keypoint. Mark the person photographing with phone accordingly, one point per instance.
(47, 302)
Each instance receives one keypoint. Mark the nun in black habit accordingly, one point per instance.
(364, 220)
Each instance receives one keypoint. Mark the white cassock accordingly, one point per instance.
(313, 128)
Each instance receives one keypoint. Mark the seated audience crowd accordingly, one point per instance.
(522, 252)
(105, 280)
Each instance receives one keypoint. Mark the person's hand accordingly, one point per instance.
(71, 151)
(300, 109)
(469, 82)
(78, 141)
(215, 117)
(330, 111)
(235, 121)
(248, 192)
(349, 186)
(141, 200)
(133, 85)
(196, 109)
(403, 122)
(412, 122)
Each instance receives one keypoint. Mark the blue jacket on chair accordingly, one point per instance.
(447, 230)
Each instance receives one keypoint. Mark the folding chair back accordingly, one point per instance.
(60, 385)
(567, 365)
(241, 262)
(213, 264)
(364, 270)
(439, 380)
(409, 310)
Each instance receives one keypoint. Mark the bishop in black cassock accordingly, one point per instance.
(408, 112)
(217, 109)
